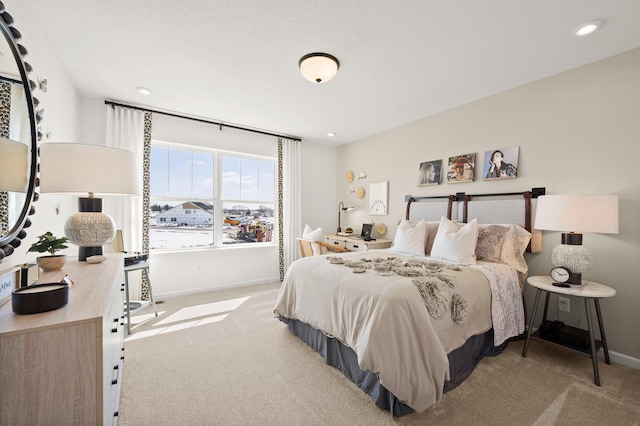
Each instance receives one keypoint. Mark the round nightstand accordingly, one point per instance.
(588, 291)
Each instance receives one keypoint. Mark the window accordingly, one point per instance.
(192, 187)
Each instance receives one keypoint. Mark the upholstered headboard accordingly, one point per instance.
(498, 208)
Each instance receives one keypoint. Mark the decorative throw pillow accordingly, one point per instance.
(410, 238)
(515, 243)
(456, 245)
(313, 235)
(490, 242)
(432, 231)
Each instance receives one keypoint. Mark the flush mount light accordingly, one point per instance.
(143, 90)
(319, 67)
(587, 28)
(331, 134)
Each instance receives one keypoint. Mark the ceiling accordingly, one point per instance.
(237, 61)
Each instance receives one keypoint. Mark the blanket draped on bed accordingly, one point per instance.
(385, 321)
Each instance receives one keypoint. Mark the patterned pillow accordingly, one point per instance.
(515, 243)
(490, 242)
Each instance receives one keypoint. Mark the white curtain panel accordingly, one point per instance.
(291, 193)
(125, 130)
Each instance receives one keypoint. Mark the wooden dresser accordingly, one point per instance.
(64, 367)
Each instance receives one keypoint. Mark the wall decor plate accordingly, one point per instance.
(381, 229)
(361, 192)
(350, 176)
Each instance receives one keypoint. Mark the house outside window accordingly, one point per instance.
(208, 198)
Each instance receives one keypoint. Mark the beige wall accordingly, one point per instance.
(61, 105)
(578, 132)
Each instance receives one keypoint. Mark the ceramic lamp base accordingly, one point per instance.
(90, 229)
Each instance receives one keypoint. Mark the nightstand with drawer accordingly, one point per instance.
(357, 244)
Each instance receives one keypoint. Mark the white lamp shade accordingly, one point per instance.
(14, 165)
(319, 67)
(580, 213)
(80, 169)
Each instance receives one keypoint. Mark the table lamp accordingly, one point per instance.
(70, 168)
(573, 215)
(342, 208)
(14, 164)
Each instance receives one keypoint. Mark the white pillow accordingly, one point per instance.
(456, 245)
(410, 239)
(313, 235)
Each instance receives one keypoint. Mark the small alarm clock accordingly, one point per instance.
(560, 275)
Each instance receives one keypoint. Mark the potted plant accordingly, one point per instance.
(51, 244)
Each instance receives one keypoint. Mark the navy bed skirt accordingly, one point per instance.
(462, 361)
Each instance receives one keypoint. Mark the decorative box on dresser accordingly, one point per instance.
(64, 367)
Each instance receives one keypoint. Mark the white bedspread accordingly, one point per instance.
(385, 321)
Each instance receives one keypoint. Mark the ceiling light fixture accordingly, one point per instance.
(143, 90)
(331, 134)
(587, 28)
(318, 67)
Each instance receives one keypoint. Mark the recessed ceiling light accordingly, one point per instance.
(587, 28)
(331, 134)
(143, 90)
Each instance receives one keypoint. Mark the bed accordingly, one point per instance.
(407, 324)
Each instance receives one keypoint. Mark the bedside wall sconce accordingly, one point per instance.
(42, 84)
(352, 189)
(362, 175)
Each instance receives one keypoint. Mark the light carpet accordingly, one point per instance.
(221, 358)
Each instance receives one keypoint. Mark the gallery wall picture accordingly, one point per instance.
(379, 198)
(461, 168)
(429, 173)
(501, 163)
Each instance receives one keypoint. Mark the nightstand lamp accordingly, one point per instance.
(574, 215)
(342, 208)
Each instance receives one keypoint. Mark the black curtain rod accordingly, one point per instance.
(201, 120)
(9, 79)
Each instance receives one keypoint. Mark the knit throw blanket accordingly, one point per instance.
(430, 278)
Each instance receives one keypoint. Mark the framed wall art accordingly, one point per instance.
(501, 163)
(461, 168)
(379, 198)
(429, 173)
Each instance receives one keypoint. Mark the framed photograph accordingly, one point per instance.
(501, 163)
(9, 281)
(429, 173)
(461, 168)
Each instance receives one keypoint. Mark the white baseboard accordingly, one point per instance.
(624, 360)
(161, 296)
